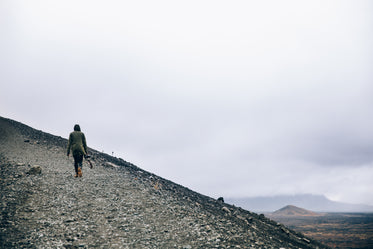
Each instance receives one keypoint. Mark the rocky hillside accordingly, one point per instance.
(114, 205)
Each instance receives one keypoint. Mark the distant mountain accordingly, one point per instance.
(316, 203)
(291, 210)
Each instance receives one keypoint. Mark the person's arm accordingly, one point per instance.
(68, 146)
(85, 144)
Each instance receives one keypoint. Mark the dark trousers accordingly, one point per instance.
(78, 162)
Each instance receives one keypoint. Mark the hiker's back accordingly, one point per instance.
(77, 142)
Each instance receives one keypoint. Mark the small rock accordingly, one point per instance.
(306, 240)
(70, 246)
(285, 230)
(34, 170)
(225, 209)
(111, 165)
(221, 199)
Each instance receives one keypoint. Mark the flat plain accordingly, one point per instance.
(337, 230)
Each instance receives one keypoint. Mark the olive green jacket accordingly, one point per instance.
(77, 143)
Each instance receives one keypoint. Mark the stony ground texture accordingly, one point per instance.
(114, 205)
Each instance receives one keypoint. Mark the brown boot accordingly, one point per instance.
(80, 174)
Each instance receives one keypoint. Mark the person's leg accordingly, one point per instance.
(80, 165)
(76, 165)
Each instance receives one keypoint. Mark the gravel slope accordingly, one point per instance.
(114, 205)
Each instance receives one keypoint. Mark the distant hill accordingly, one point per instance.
(317, 203)
(291, 210)
(114, 205)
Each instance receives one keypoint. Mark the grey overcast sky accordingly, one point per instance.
(229, 98)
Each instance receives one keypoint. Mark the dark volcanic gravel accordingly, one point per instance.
(114, 205)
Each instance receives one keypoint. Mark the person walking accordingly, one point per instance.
(78, 145)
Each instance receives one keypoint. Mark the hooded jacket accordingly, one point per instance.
(77, 143)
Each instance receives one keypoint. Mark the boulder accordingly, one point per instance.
(221, 199)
